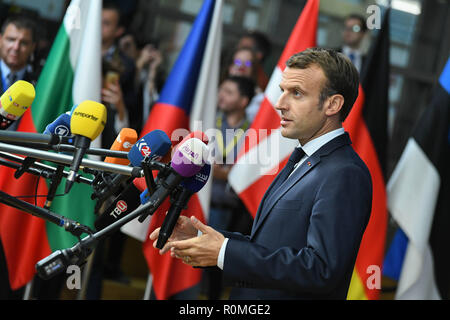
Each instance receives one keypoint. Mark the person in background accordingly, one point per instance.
(118, 70)
(262, 47)
(18, 40)
(243, 63)
(150, 77)
(355, 30)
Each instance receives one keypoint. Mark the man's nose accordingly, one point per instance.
(15, 45)
(281, 102)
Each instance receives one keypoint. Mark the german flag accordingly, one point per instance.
(367, 126)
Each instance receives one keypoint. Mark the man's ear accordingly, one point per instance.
(334, 104)
(119, 32)
(244, 102)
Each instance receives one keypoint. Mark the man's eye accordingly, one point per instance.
(297, 93)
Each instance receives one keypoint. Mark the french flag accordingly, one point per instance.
(187, 103)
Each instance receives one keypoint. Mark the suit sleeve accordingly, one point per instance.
(338, 218)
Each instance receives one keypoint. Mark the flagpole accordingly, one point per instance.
(28, 290)
(148, 287)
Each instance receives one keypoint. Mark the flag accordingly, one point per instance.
(418, 199)
(367, 126)
(188, 101)
(265, 150)
(72, 74)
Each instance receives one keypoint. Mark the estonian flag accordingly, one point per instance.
(418, 199)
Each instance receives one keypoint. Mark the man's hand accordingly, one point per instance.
(183, 230)
(112, 94)
(200, 251)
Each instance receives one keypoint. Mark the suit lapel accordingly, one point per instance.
(272, 196)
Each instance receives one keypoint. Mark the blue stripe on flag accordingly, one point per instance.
(444, 80)
(180, 86)
(393, 262)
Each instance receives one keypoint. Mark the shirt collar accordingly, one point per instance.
(312, 146)
(6, 70)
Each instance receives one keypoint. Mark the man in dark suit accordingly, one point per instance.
(17, 43)
(353, 35)
(310, 222)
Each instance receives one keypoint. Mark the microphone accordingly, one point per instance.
(14, 102)
(189, 187)
(159, 144)
(125, 140)
(60, 127)
(188, 160)
(156, 141)
(87, 122)
(140, 182)
(154, 144)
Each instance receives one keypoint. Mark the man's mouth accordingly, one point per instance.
(284, 120)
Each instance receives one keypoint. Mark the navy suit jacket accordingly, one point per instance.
(307, 233)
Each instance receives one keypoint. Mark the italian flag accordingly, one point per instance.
(72, 74)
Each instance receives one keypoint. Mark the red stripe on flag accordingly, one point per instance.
(24, 237)
(166, 117)
(371, 250)
(304, 34)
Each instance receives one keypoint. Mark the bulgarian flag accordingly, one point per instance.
(71, 75)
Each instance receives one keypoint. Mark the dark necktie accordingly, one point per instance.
(12, 78)
(352, 57)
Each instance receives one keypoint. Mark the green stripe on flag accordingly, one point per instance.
(54, 97)
(54, 88)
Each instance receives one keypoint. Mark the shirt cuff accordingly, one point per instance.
(221, 257)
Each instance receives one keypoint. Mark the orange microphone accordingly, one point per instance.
(125, 140)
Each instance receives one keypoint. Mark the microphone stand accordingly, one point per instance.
(71, 149)
(37, 168)
(69, 225)
(59, 260)
(65, 159)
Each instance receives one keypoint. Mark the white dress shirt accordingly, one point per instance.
(309, 148)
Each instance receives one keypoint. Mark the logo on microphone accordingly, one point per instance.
(121, 207)
(126, 145)
(144, 149)
(62, 130)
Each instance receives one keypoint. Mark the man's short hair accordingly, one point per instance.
(246, 86)
(21, 22)
(341, 75)
(262, 42)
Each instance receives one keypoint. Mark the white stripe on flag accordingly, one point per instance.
(273, 91)
(412, 194)
(204, 106)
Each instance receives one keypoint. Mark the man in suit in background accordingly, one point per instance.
(17, 44)
(355, 30)
(310, 222)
